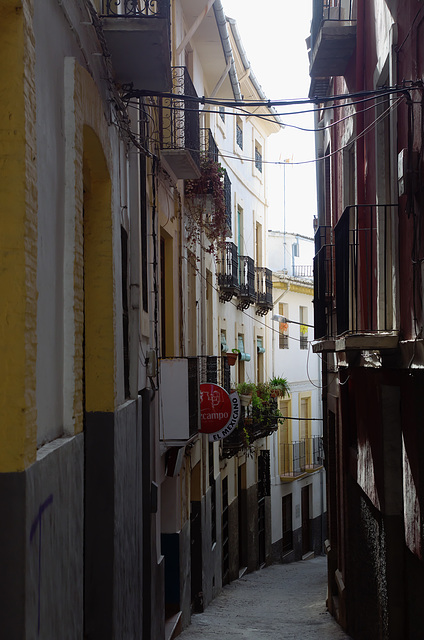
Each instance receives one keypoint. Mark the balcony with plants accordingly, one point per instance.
(260, 415)
(332, 40)
(206, 207)
(137, 34)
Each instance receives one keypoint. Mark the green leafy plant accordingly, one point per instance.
(246, 389)
(201, 223)
(279, 387)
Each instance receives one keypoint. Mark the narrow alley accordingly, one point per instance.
(280, 602)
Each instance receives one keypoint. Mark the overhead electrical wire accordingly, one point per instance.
(230, 155)
(268, 104)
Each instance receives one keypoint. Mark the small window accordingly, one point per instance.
(258, 157)
(303, 318)
(283, 342)
(221, 111)
(239, 132)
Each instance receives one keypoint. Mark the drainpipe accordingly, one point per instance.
(246, 65)
(221, 21)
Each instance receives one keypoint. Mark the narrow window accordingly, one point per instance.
(283, 310)
(258, 157)
(239, 132)
(303, 318)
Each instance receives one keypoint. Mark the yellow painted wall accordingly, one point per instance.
(98, 279)
(18, 238)
(92, 258)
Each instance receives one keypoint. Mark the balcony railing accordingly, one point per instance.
(134, 32)
(297, 458)
(263, 291)
(292, 459)
(228, 280)
(324, 288)
(135, 8)
(209, 148)
(179, 128)
(363, 269)
(333, 37)
(303, 271)
(215, 369)
(227, 196)
(253, 425)
(247, 294)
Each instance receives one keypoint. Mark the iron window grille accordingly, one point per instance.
(239, 135)
(228, 279)
(227, 196)
(135, 8)
(258, 159)
(179, 117)
(247, 294)
(263, 290)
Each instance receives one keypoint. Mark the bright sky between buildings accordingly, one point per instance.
(273, 34)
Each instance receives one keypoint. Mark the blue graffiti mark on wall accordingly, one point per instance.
(37, 525)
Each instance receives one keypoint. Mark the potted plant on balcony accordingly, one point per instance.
(246, 391)
(205, 221)
(232, 356)
(279, 387)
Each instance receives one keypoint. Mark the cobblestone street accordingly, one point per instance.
(280, 602)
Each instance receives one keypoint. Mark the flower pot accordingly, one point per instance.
(232, 358)
(245, 400)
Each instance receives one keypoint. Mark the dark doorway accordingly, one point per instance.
(196, 557)
(287, 515)
(306, 532)
(263, 491)
(242, 517)
(225, 534)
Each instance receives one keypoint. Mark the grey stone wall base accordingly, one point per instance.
(41, 545)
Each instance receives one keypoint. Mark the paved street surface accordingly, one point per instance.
(281, 602)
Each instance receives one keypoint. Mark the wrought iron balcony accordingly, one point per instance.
(314, 452)
(209, 148)
(228, 280)
(136, 31)
(179, 128)
(135, 8)
(227, 196)
(324, 287)
(363, 269)
(215, 369)
(253, 425)
(298, 458)
(333, 37)
(247, 293)
(263, 291)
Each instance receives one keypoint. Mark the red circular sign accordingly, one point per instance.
(215, 408)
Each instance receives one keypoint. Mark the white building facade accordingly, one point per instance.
(297, 474)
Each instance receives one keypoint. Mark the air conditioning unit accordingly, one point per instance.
(179, 399)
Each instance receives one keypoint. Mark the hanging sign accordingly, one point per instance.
(233, 422)
(215, 408)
